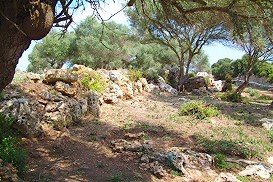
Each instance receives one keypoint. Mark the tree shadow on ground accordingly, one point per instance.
(61, 156)
(250, 114)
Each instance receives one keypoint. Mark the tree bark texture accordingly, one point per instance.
(14, 16)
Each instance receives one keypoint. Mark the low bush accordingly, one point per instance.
(10, 149)
(11, 152)
(199, 109)
(135, 75)
(94, 81)
(232, 97)
(220, 161)
(192, 75)
(252, 92)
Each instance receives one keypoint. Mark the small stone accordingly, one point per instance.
(134, 146)
(157, 169)
(145, 158)
(144, 166)
(133, 136)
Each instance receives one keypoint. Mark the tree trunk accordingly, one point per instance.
(182, 76)
(241, 88)
(16, 28)
(12, 45)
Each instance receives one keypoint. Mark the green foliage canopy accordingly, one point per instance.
(52, 52)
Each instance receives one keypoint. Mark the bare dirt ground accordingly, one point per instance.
(83, 153)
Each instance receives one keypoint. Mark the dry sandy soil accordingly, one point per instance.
(83, 153)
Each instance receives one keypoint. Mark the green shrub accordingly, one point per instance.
(252, 92)
(135, 75)
(192, 75)
(199, 109)
(233, 97)
(11, 152)
(220, 161)
(6, 123)
(10, 149)
(94, 82)
(115, 178)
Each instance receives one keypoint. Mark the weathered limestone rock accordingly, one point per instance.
(144, 82)
(34, 77)
(195, 83)
(152, 88)
(127, 89)
(157, 169)
(54, 75)
(78, 67)
(117, 76)
(110, 98)
(188, 162)
(65, 89)
(116, 90)
(123, 145)
(138, 86)
(266, 123)
(259, 170)
(27, 118)
(93, 106)
(166, 87)
(63, 113)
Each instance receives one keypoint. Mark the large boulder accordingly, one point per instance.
(195, 83)
(54, 75)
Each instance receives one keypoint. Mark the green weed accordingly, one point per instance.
(252, 92)
(115, 178)
(232, 97)
(135, 75)
(94, 82)
(176, 173)
(199, 109)
(10, 149)
(220, 161)
(127, 126)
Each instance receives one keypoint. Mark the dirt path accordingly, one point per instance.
(83, 152)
